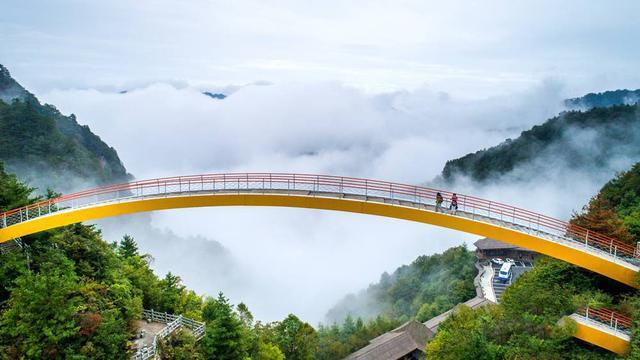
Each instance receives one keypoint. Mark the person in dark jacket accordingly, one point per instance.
(439, 201)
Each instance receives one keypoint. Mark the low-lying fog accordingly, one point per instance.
(282, 261)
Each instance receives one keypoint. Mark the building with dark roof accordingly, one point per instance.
(489, 248)
(406, 342)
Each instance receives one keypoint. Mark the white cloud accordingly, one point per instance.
(295, 260)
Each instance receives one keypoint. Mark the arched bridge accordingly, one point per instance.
(546, 235)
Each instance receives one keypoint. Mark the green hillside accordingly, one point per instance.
(525, 324)
(575, 140)
(47, 148)
(427, 287)
(72, 295)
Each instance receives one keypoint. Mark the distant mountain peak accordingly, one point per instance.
(604, 99)
(4, 72)
(9, 88)
(218, 96)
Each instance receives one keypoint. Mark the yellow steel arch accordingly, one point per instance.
(614, 269)
(602, 337)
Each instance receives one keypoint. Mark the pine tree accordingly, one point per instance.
(128, 247)
(297, 339)
(223, 339)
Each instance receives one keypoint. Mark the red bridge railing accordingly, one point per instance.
(475, 206)
(610, 318)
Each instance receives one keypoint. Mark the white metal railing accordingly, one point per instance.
(613, 320)
(173, 322)
(332, 186)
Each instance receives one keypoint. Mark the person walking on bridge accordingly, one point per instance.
(454, 203)
(439, 201)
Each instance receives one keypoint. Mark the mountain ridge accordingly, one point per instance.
(55, 144)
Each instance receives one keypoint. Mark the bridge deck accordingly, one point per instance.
(603, 335)
(487, 218)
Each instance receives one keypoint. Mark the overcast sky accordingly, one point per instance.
(468, 48)
(381, 89)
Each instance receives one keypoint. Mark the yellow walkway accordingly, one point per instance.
(475, 216)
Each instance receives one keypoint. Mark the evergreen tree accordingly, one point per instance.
(296, 339)
(180, 345)
(171, 289)
(128, 247)
(223, 339)
(13, 194)
(40, 318)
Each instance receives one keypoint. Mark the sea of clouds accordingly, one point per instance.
(282, 261)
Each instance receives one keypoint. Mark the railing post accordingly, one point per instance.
(611, 246)
(611, 321)
(4, 220)
(586, 239)
(587, 313)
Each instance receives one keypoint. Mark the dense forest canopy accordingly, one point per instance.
(526, 322)
(427, 287)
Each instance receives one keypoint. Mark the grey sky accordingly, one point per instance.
(468, 48)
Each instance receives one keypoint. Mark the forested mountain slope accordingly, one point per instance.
(47, 148)
(525, 325)
(427, 287)
(573, 140)
(69, 294)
